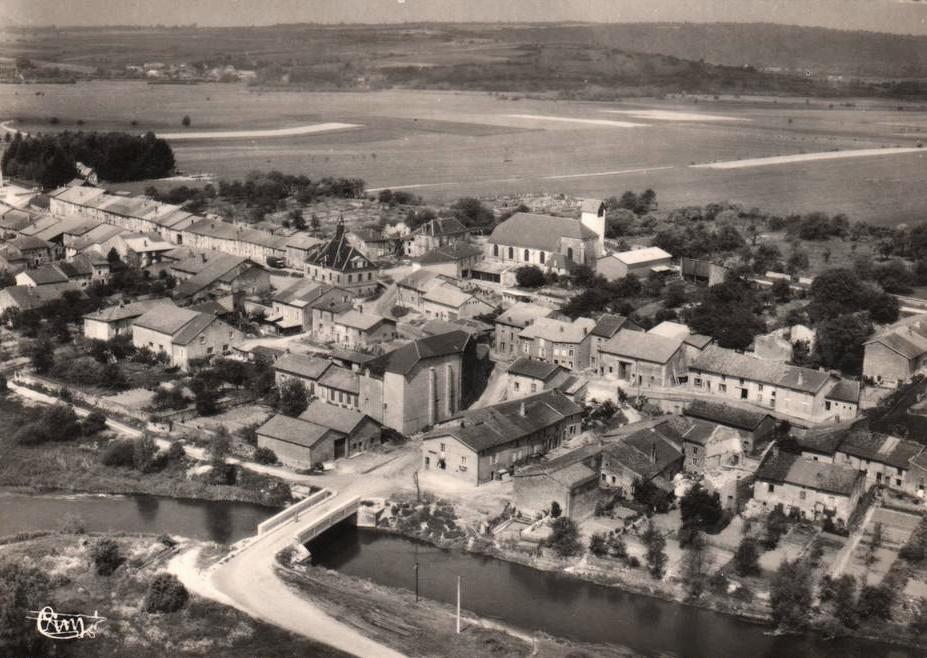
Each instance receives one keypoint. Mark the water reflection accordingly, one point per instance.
(147, 507)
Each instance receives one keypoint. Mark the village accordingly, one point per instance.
(553, 424)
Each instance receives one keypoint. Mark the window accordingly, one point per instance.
(516, 386)
(759, 387)
(802, 494)
(495, 250)
(771, 488)
(527, 255)
(493, 458)
(511, 253)
(570, 253)
(534, 387)
(463, 460)
(826, 405)
(202, 340)
(350, 278)
(722, 388)
(442, 448)
(542, 257)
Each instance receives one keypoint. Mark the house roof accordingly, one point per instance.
(539, 231)
(608, 325)
(213, 271)
(146, 242)
(301, 292)
(302, 241)
(639, 256)
(527, 367)
(450, 253)
(646, 452)
(28, 242)
(435, 326)
(641, 346)
(522, 314)
(167, 319)
(441, 226)
(96, 235)
(341, 379)
(550, 466)
(907, 337)
(792, 469)
(824, 440)
(28, 297)
(46, 274)
(881, 448)
(591, 205)
(845, 390)
(194, 328)
(334, 300)
(338, 254)
(559, 331)
(721, 361)
(422, 280)
(402, 360)
(447, 294)
(361, 321)
(226, 231)
(725, 414)
(370, 235)
(335, 418)
(303, 365)
(499, 424)
(294, 430)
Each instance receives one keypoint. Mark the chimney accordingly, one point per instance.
(521, 409)
(653, 453)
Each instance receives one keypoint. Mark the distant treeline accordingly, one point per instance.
(116, 157)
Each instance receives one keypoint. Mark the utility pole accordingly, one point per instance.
(415, 568)
(418, 489)
(458, 605)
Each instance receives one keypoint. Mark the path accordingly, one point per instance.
(846, 553)
(257, 134)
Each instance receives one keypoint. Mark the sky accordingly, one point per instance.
(897, 16)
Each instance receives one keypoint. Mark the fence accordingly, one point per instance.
(293, 510)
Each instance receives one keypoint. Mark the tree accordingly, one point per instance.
(293, 398)
(472, 213)
(143, 454)
(876, 601)
(206, 395)
(776, 525)
(555, 510)
(656, 555)
(165, 594)
(564, 537)
(699, 508)
(790, 595)
(845, 601)
(839, 342)
(727, 313)
(747, 558)
(185, 122)
(265, 456)
(93, 423)
(220, 446)
(781, 291)
(23, 588)
(875, 542)
(119, 453)
(674, 295)
(106, 556)
(696, 565)
(42, 356)
(530, 276)
(598, 545)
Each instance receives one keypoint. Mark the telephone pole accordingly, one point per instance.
(458, 605)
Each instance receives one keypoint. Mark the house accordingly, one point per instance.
(487, 443)
(220, 276)
(813, 489)
(321, 434)
(570, 480)
(97, 240)
(372, 243)
(799, 394)
(527, 376)
(473, 327)
(639, 262)
(411, 289)
(882, 459)
(754, 427)
(898, 352)
(297, 248)
(652, 454)
(558, 341)
(447, 301)
(26, 298)
(242, 241)
(456, 260)
(141, 249)
(433, 234)
(692, 344)
(543, 240)
(328, 305)
(702, 271)
(45, 275)
(33, 251)
(340, 387)
(91, 268)
(291, 310)
(183, 335)
(307, 368)
(423, 382)
(605, 329)
(642, 359)
(708, 446)
(337, 263)
(509, 325)
(356, 330)
(113, 321)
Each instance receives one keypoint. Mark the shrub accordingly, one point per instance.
(176, 452)
(293, 398)
(598, 546)
(265, 456)
(94, 423)
(165, 594)
(119, 453)
(248, 434)
(876, 601)
(143, 454)
(399, 311)
(555, 510)
(564, 538)
(106, 556)
(746, 558)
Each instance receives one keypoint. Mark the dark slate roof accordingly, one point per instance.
(127, 311)
(500, 424)
(215, 269)
(47, 274)
(294, 430)
(588, 451)
(336, 418)
(725, 414)
(451, 253)
(27, 242)
(608, 325)
(792, 469)
(338, 254)
(539, 231)
(641, 346)
(646, 452)
(194, 328)
(302, 365)
(906, 338)
(721, 361)
(28, 297)
(845, 390)
(441, 226)
(527, 367)
(699, 431)
(403, 360)
(823, 440)
(341, 379)
(881, 448)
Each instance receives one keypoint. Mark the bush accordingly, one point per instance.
(293, 398)
(746, 558)
(119, 453)
(876, 601)
(564, 538)
(265, 456)
(598, 546)
(143, 454)
(106, 556)
(176, 452)
(93, 424)
(399, 311)
(165, 594)
(555, 510)
(248, 434)
(530, 276)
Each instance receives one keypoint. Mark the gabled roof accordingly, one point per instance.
(793, 469)
(127, 311)
(907, 337)
(28, 297)
(721, 361)
(194, 328)
(646, 452)
(302, 241)
(881, 448)
(96, 235)
(146, 242)
(539, 231)
(422, 280)
(591, 205)
(401, 361)
(609, 324)
(341, 379)
(338, 254)
(449, 295)
(294, 430)
(845, 390)
(440, 227)
(639, 256)
(450, 253)
(522, 314)
(526, 367)
(725, 414)
(28, 242)
(641, 346)
(361, 321)
(214, 270)
(302, 365)
(503, 423)
(46, 275)
(335, 418)
(225, 231)
(559, 331)
(301, 293)
(167, 320)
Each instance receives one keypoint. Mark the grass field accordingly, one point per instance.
(444, 145)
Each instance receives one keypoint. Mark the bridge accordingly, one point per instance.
(312, 516)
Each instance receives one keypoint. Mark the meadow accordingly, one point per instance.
(443, 145)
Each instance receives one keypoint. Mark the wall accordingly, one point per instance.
(790, 495)
(216, 339)
(885, 366)
(296, 455)
(642, 373)
(802, 405)
(459, 460)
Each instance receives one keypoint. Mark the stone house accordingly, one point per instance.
(652, 454)
(486, 444)
(297, 248)
(898, 352)
(708, 446)
(456, 260)
(307, 368)
(639, 262)
(755, 428)
(882, 459)
(571, 480)
(183, 334)
(411, 289)
(113, 321)
(641, 359)
(447, 301)
(528, 376)
(558, 341)
(434, 234)
(605, 328)
(509, 324)
(337, 263)
(355, 330)
(373, 243)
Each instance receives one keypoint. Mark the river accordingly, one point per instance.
(512, 593)
(220, 521)
(569, 607)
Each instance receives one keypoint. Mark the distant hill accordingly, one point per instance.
(821, 51)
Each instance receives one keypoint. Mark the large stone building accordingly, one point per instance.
(183, 334)
(484, 444)
(527, 376)
(510, 324)
(641, 359)
(605, 328)
(639, 262)
(894, 355)
(543, 240)
(558, 341)
(433, 234)
(337, 263)
(571, 480)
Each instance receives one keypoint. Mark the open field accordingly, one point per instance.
(446, 144)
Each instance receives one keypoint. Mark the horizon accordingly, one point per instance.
(901, 17)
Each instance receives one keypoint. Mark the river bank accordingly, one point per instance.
(60, 571)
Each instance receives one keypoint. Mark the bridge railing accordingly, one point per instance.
(293, 511)
(330, 518)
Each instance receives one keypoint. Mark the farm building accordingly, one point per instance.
(639, 262)
(510, 324)
(183, 334)
(113, 321)
(642, 359)
(570, 480)
(897, 353)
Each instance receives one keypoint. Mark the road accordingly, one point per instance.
(843, 558)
